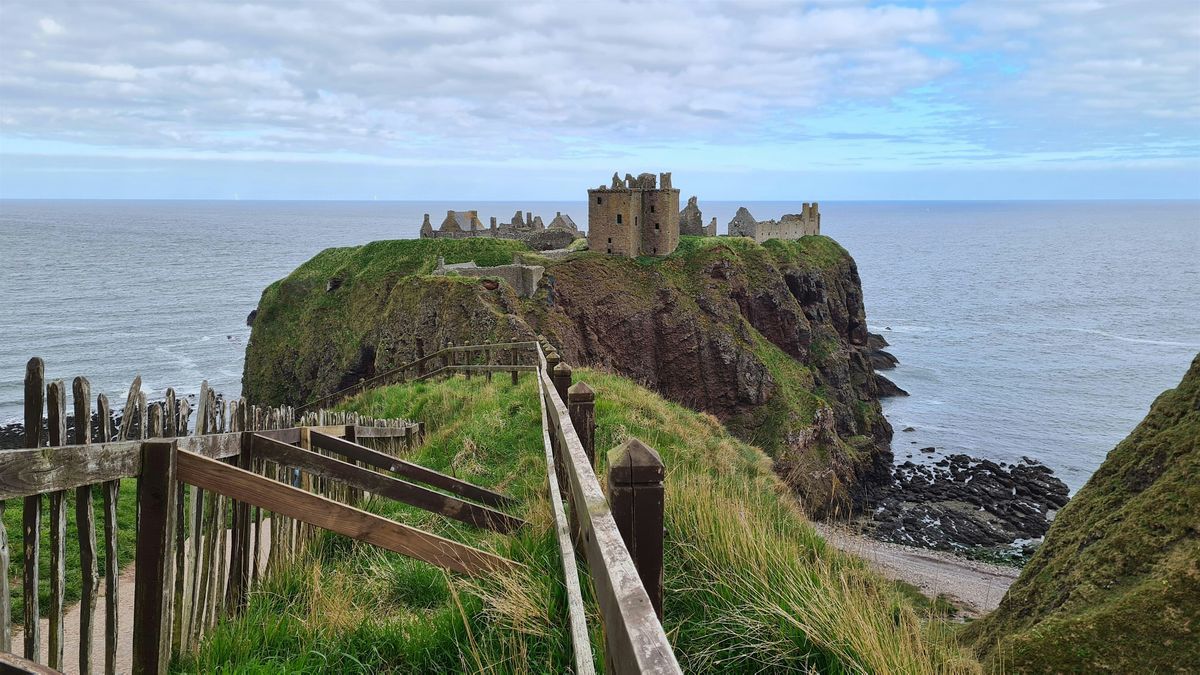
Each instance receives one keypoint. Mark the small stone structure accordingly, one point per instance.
(524, 227)
(633, 217)
(523, 278)
(790, 226)
(691, 221)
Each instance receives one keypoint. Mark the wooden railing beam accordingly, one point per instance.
(380, 484)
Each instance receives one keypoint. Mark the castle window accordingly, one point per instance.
(654, 251)
(599, 200)
(651, 208)
(618, 219)
(656, 226)
(610, 240)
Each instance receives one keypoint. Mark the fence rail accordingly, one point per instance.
(218, 511)
(447, 356)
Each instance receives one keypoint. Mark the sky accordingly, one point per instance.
(754, 99)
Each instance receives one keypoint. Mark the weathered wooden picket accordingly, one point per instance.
(217, 511)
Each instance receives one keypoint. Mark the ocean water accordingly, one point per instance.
(1040, 329)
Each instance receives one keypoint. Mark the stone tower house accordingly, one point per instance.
(637, 216)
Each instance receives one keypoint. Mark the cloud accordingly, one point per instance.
(485, 82)
(50, 26)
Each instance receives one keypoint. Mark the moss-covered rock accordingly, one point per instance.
(771, 339)
(1116, 585)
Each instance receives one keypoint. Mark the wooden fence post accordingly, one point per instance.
(155, 558)
(35, 374)
(85, 521)
(56, 426)
(581, 402)
(562, 379)
(513, 353)
(635, 495)
(552, 361)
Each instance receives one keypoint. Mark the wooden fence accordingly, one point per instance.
(204, 536)
(469, 359)
(225, 507)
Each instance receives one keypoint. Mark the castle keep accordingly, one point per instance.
(634, 217)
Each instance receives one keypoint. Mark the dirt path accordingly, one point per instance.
(975, 587)
(125, 584)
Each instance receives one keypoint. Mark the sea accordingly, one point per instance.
(1023, 329)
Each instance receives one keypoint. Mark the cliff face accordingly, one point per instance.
(770, 339)
(1116, 585)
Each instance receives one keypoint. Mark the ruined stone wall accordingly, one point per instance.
(790, 226)
(523, 278)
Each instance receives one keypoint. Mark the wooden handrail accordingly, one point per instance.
(376, 380)
(325, 513)
(635, 641)
(409, 470)
(392, 488)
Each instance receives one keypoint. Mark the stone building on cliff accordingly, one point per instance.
(524, 226)
(634, 217)
(790, 226)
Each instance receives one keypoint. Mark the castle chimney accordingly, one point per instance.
(493, 222)
(529, 216)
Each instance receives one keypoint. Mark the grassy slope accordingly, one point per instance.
(1116, 585)
(749, 585)
(126, 511)
(297, 315)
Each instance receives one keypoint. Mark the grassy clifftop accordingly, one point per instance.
(749, 586)
(1116, 585)
(769, 338)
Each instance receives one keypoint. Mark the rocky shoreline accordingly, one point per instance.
(12, 436)
(960, 503)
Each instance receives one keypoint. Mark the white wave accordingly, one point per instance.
(1144, 341)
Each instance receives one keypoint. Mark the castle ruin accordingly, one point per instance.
(691, 221)
(790, 226)
(525, 227)
(635, 216)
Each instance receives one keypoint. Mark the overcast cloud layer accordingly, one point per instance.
(840, 94)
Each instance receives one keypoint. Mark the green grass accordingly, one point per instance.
(749, 585)
(126, 540)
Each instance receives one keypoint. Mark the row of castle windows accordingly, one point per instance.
(600, 200)
(635, 220)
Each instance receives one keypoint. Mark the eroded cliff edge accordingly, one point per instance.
(771, 339)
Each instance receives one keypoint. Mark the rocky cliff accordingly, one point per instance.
(770, 339)
(1116, 585)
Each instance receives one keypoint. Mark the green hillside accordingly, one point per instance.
(1116, 585)
(749, 585)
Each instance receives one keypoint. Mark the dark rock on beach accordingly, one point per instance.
(965, 503)
(12, 436)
